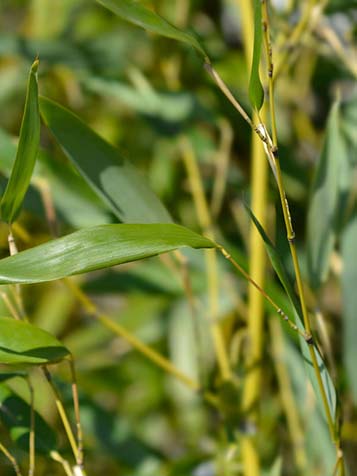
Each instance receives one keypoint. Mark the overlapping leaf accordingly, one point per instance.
(15, 415)
(113, 178)
(23, 344)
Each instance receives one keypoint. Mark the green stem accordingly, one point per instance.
(273, 152)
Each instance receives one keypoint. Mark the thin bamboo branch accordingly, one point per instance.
(273, 150)
(150, 353)
(59, 459)
(76, 412)
(11, 458)
(62, 413)
(205, 221)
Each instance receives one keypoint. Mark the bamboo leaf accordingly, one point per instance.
(95, 248)
(27, 150)
(23, 344)
(323, 209)
(349, 286)
(284, 279)
(15, 415)
(134, 12)
(113, 178)
(256, 91)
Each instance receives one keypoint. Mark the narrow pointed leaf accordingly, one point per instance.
(256, 91)
(113, 178)
(349, 287)
(95, 248)
(24, 344)
(27, 150)
(324, 204)
(284, 279)
(134, 12)
(15, 416)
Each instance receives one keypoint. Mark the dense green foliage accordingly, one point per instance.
(142, 162)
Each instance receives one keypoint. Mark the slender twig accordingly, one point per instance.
(62, 413)
(226, 91)
(266, 296)
(205, 221)
(10, 306)
(47, 200)
(11, 458)
(66, 466)
(76, 412)
(150, 353)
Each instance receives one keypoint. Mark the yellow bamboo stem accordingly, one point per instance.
(205, 221)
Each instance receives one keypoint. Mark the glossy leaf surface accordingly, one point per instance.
(24, 344)
(27, 150)
(95, 248)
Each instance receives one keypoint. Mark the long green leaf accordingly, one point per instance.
(323, 208)
(26, 152)
(256, 91)
(15, 415)
(113, 178)
(95, 248)
(24, 344)
(284, 279)
(349, 286)
(134, 12)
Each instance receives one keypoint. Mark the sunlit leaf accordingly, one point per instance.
(26, 152)
(15, 416)
(113, 178)
(24, 344)
(256, 91)
(134, 12)
(95, 248)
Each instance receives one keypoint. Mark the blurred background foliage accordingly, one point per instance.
(144, 93)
